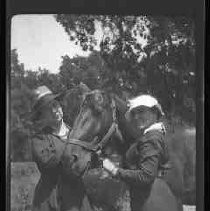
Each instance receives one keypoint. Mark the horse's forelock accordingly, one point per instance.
(98, 112)
(91, 98)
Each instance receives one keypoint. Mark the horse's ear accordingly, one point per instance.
(84, 88)
(121, 104)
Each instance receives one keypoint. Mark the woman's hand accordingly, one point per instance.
(110, 167)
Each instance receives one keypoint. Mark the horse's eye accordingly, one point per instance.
(99, 99)
(75, 157)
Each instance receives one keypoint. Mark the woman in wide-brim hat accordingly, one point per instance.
(44, 106)
(54, 189)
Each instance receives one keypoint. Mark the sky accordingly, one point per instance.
(41, 41)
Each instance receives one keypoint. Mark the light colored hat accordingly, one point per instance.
(41, 91)
(43, 96)
(144, 100)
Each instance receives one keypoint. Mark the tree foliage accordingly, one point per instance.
(88, 70)
(165, 66)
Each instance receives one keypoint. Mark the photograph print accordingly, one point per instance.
(102, 113)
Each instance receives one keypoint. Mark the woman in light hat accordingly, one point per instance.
(55, 191)
(146, 153)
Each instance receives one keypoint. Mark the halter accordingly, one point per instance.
(99, 146)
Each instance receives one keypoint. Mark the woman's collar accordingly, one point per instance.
(64, 130)
(158, 126)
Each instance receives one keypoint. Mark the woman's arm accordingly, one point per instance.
(148, 164)
(45, 152)
(44, 155)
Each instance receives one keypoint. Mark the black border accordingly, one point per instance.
(2, 104)
(166, 7)
(193, 8)
(207, 115)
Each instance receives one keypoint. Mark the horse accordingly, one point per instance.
(99, 119)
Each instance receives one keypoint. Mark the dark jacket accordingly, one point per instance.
(56, 189)
(143, 160)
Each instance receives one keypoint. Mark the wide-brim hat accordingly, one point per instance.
(42, 96)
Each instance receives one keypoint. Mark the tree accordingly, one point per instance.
(163, 67)
(118, 46)
(20, 103)
(81, 69)
(52, 81)
(17, 69)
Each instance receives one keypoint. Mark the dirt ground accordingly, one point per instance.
(24, 177)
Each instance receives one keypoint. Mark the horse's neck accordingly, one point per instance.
(128, 132)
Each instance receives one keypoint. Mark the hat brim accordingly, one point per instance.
(41, 103)
(156, 107)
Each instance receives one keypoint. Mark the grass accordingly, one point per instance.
(24, 177)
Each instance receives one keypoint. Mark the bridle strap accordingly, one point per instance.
(82, 144)
(107, 137)
(97, 147)
(113, 128)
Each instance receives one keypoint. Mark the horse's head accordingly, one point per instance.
(95, 116)
(94, 120)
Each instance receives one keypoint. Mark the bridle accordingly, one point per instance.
(97, 146)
